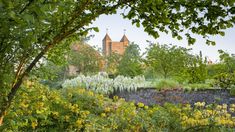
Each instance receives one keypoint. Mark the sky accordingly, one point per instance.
(116, 26)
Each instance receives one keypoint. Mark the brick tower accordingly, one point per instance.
(110, 46)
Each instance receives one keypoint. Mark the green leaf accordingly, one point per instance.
(137, 24)
(222, 33)
(96, 29)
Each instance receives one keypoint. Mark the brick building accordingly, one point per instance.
(110, 46)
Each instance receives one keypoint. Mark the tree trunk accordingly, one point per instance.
(7, 102)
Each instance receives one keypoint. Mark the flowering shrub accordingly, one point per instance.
(100, 83)
(41, 109)
(224, 80)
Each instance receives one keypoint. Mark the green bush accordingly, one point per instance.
(197, 86)
(38, 108)
(224, 80)
(232, 90)
(167, 84)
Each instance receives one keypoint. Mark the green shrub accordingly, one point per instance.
(224, 80)
(38, 108)
(232, 90)
(197, 86)
(167, 84)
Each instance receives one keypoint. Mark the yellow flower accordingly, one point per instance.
(79, 122)
(40, 105)
(224, 106)
(208, 113)
(81, 91)
(227, 115)
(140, 104)
(24, 105)
(200, 104)
(34, 124)
(191, 122)
(115, 98)
(184, 118)
(232, 105)
(67, 118)
(55, 114)
(150, 111)
(107, 109)
(70, 94)
(146, 107)
(218, 107)
(232, 110)
(198, 115)
(90, 93)
(204, 122)
(132, 104)
(103, 115)
(87, 112)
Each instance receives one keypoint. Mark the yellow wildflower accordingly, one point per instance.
(107, 109)
(90, 93)
(200, 104)
(146, 107)
(227, 115)
(34, 124)
(232, 105)
(66, 118)
(115, 98)
(103, 115)
(232, 110)
(79, 122)
(218, 107)
(184, 118)
(140, 104)
(132, 104)
(198, 115)
(224, 106)
(55, 114)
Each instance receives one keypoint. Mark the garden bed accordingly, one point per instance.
(150, 96)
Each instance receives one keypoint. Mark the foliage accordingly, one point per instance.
(225, 80)
(100, 83)
(113, 60)
(32, 30)
(177, 62)
(76, 109)
(195, 86)
(167, 60)
(197, 72)
(207, 117)
(167, 84)
(228, 60)
(85, 59)
(130, 64)
(178, 16)
(215, 69)
(232, 90)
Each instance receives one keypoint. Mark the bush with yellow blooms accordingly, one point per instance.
(38, 108)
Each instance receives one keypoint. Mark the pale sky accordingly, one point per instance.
(116, 25)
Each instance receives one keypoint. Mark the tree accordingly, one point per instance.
(215, 69)
(228, 60)
(197, 71)
(85, 59)
(36, 29)
(130, 64)
(112, 61)
(167, 61)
